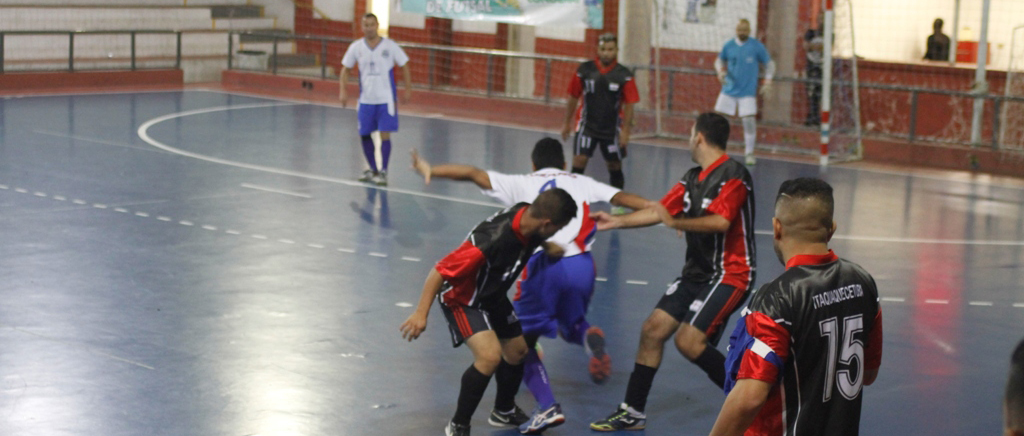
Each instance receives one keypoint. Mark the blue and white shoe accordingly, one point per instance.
(543, 420)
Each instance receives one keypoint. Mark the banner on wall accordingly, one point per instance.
(562, 13)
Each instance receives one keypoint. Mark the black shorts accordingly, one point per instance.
(585, 145)
(465, 321)
(704, 305)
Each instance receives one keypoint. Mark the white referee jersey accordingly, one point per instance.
(376, 70)
(577, 236)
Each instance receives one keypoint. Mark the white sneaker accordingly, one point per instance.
(368, 176)
(381, 179)
(751, 160)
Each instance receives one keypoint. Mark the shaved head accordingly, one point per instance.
(803, 213)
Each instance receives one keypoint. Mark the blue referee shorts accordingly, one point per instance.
(374, 117)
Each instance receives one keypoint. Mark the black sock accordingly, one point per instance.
(577, 170)
(473, 386)
(508, 377)
(639, 386)
(616, 178)
(712, 362)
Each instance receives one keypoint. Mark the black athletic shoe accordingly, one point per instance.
(623, 419)
(453, 429)
(513, 418)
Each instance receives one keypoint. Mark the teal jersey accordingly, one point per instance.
(743, 63)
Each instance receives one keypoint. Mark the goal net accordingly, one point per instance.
(1011, 135)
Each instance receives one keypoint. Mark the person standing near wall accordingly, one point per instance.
(376, 57)
(738, 67)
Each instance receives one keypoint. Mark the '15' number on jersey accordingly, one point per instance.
(847, 369)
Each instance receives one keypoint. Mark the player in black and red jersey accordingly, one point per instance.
(1013, 402)
(605, 118)
(809, 340)
(714, 205)
(472, 284)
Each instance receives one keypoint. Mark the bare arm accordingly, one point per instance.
(741, 407)
(713, 223)
(631, 201)
(640, 218)
(417, 322)
(720, 69)
(450, 171)
(343, 92)
(408, 81)
(627, 124)
(570, 110)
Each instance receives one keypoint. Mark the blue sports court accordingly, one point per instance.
(204, 263)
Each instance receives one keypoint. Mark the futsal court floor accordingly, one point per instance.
(203, 263)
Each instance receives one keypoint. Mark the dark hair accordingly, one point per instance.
(371, 15)
(548, 154)
(938, 22)
(554, 204)
(1015, 390)
(715, 129)
(607, 37)
(810, 188)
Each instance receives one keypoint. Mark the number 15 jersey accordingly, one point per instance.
(811, 333)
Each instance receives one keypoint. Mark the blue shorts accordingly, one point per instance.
(373, 117)
(554, 295)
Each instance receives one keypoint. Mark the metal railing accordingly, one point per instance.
(132, 34)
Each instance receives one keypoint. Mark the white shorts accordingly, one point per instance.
(728, 105)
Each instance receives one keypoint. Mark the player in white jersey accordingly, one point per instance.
(376, 57)
(553, 293)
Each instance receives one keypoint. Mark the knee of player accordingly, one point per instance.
(487, 362)
(579, 160)
(690, 342)
(656, 329)
(516, 355)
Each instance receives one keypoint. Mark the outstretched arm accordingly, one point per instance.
(631, 201)
(450, 171)
(640, 218)
(712, 223)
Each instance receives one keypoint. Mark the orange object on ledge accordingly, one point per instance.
(967, 52)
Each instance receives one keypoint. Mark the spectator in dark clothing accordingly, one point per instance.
(938, 44)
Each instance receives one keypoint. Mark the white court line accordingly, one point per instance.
(21, 190)
(164, 218)
(120, 209)
(142, 214)
(259, 236)
(210, 228)
(346, 250)
(315, 246)
(5, 187)
(77, 201)
(931, 301)
(60, 198)
(39, 194)
(286, 241)
(99, 206)
(403, 304)
(186, 223)
(375, 254)
(276, 191)
(980, 303)
(601, 279)
(411, 259)
(232, 232)
(1018, 304)
(636, 282)
(894, 299)
(79, 345)
(143, 133)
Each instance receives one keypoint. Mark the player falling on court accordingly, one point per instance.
(714, 205)
(377, 110)
(554, 293)
(605, 118)
(809, 340)
(471, 284)
(738, 66)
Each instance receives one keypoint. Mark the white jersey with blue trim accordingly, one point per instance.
(577, 236)
(376, 69)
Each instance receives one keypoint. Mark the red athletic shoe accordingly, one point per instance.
(600, 365)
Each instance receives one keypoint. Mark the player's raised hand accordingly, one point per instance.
(605, 221)
(413, 326)
(421, 166)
